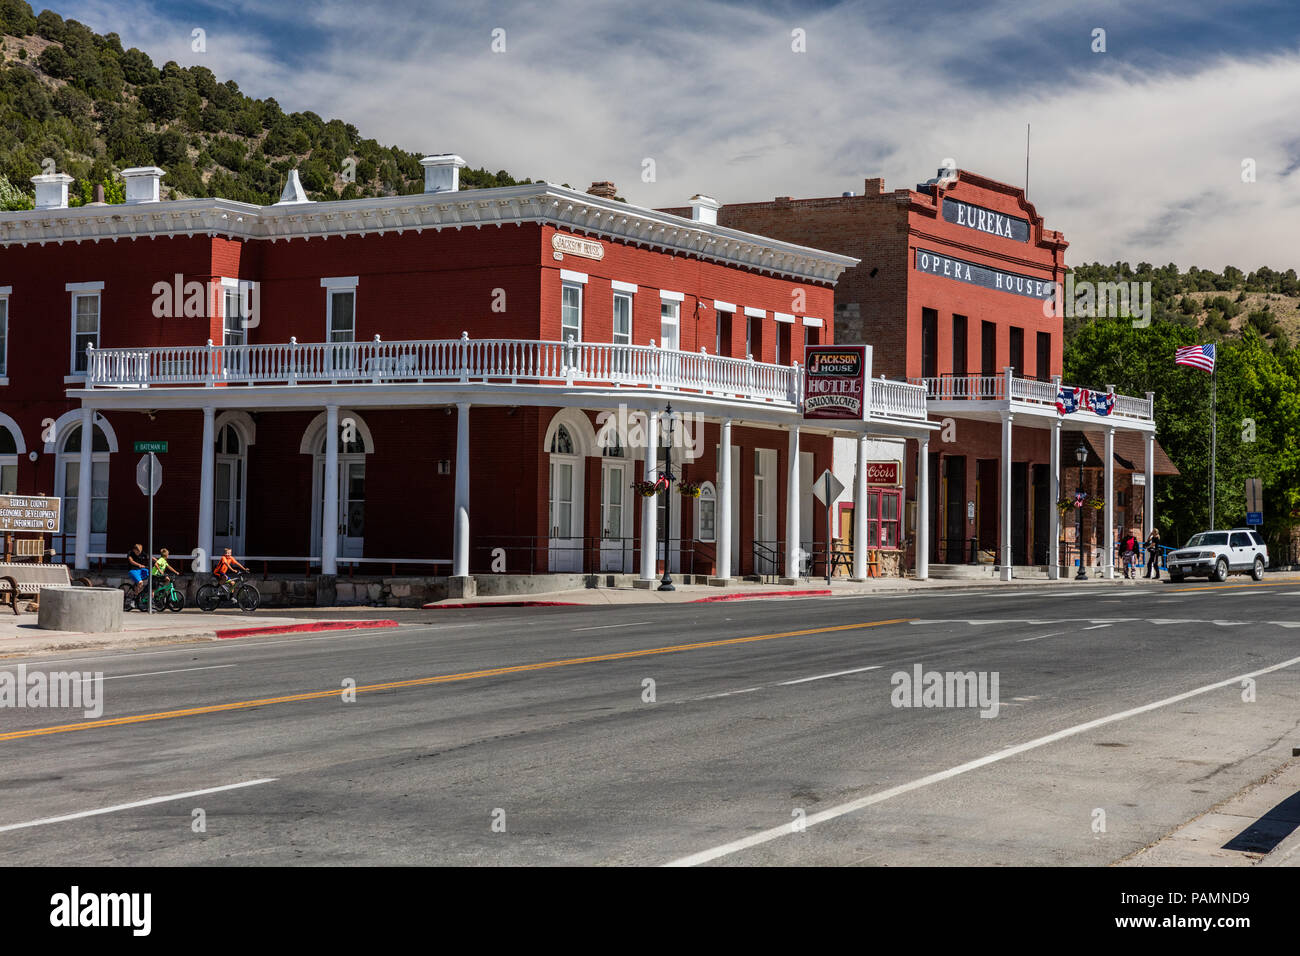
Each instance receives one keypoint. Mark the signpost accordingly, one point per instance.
(827, 488)
(1254, 502)
(148, 478)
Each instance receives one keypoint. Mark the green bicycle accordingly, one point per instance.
(166, 597)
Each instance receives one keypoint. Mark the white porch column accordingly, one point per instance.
(1109, 494)
(460, 523)
(860, 524)
(649, 513)
(84, 478)
(1008, 559)
(1053, 515)
(329, 518)
(792, 568)
(922, 508)
(207, 480)
(1149, 496)
(723, 520)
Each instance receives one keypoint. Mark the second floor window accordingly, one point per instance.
(232, 331)
(4, 337)
(342, 317)
(571, 313)
(85, 328)
(669, 324)
(622, 319)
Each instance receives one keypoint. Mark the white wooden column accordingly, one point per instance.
(1007, 558)
(861, 526)
(460, 525)
(1149, 497)
(329, 518)
(722, 523)
(649, 514)
(1053, 515)
(207, 483)
(923, 508)
(792, 505)
(84, 479)
(1109, 494)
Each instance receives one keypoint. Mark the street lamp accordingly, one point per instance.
(670, 422)
(1080, 455)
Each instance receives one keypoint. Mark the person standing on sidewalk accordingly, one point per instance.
(1153, 554)
(1129, 549)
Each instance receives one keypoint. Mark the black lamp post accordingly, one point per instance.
(670, 420)
(1080, 455)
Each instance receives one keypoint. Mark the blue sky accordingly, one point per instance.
(1137, 151)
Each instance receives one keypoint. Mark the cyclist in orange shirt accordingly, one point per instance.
(226, 566)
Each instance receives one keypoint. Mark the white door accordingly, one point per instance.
(228, 505)
(565, 548)
(615, 518)
(806, 529)
(351, 516)
(768, 552)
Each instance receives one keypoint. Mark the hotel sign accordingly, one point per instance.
(976, 274)
(24, 513)
(834, 382)
(985, 220)
(575, 246)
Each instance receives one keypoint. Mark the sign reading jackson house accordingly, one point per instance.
(576, 246)
(834, 381)
(23, 513)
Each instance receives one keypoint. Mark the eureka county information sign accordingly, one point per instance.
(975, 274)
(834, 382)
(31, 514)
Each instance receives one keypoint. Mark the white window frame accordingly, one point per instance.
(672, 301)
(708, 494)
(626, 337)
(339, 285)
(78, 291)
(237, 286)
(718, 308)
(5, 292)
(566, 334)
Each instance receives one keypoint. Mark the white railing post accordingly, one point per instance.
(464, 356)
(212, 365)
(1008, 375)
(1151, 406)
(92, 371)
(293, 360)
(375, 362)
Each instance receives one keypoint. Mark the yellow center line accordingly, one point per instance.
(1224, 587)
(425, 681)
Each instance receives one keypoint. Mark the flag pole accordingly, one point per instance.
(1214, 432)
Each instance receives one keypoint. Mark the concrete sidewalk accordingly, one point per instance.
(20, 637)
(809, 587)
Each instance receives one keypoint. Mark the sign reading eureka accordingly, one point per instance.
(835, 381)
(576, 246)
(975, 274)
(985, 220)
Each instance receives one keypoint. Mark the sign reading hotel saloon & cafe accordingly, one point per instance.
(835, 382)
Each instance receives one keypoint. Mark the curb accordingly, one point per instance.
(467, 604)
(295, 628)
(823, 592)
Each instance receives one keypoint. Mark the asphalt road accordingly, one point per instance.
(531, 736)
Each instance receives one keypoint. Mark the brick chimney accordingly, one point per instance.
(603, 189)
(873, 187)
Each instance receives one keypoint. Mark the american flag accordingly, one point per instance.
(1197, 356)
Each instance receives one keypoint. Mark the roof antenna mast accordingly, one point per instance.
(1026, 161)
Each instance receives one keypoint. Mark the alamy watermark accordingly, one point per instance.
(78, 690)
(947, 689)
(630, 429)
(1109, 300)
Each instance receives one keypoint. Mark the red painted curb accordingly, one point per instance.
(768, 594)
(437, 607)
(294, 628)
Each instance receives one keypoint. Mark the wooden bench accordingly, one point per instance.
(19, 580)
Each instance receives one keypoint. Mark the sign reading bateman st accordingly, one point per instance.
(975, 274)
(835, 381)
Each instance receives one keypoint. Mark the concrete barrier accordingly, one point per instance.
(85, 610)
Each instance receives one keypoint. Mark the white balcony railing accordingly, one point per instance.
(1024, 391)
(515, 361)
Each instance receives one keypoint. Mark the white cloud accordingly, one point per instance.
(1130, 164)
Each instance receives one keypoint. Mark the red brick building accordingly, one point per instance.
(338, 381)
(950, 292)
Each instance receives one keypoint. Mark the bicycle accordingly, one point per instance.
(166, 597)
(233, 590)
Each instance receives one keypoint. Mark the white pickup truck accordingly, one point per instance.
(1216, 554)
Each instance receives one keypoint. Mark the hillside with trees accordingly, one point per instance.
(77, 98)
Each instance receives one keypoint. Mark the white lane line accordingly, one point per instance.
(729, 693)
(182, 670)
(1040, 637)
(601, 627)
(766, 836)
(132, 806)
(1095, 626)
(804, 680)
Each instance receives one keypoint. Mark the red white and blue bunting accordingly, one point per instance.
(1075, 399)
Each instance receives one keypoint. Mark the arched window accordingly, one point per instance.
(562, 443)
(356, 446)
(228, 442)
(8, 462)
(68, 487)
(612, 445)
(73, 440)
(706, 514)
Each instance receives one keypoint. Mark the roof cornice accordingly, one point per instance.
(534, 203)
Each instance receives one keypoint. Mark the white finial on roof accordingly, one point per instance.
(293, 191)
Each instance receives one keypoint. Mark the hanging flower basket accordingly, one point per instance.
(1080, 501)
(688, 489)
(646, 489)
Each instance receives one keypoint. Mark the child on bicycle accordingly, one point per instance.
(138, 569)
(226, 567)
(161, 567)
